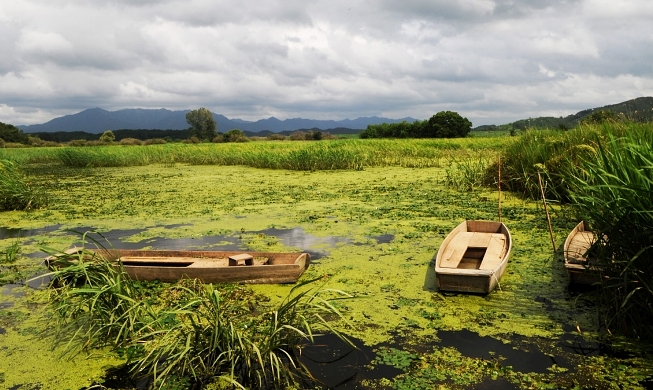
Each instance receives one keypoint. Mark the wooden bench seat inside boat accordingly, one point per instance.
(488, 245)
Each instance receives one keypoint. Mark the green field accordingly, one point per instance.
(377, 210)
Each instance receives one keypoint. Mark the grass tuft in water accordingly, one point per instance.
(201, 333)
(16, 192)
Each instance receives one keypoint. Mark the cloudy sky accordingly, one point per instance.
(493, 61)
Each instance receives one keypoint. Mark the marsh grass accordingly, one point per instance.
(614, 193)
(466, 174)
(198, 333)
(553, 154)
(350, 154)
(16, 192)
(8, 269)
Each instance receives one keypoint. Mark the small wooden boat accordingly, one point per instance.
(207, 266)
(577, 262)
(473, 257)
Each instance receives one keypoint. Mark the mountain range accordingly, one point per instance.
(97, 120)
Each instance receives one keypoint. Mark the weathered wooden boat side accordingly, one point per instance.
(208, 266)
(473, 257)
(577, 263)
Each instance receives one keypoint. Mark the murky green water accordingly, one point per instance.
(375, 233)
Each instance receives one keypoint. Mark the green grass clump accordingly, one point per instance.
(190, 332)
(554, 154)
(16, 192)
(614, 192)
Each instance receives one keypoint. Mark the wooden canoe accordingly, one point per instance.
(577, 263)
(473, 257)
(207, 266)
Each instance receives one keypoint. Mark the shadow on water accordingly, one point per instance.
(473, 345)
(333, 363)
(6, 232)
(337, 365)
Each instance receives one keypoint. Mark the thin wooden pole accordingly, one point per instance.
(546, 210)
(499, 188)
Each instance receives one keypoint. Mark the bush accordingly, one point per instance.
(130, 141)
(192, 140)
(155, 141)
(77, 142)
(234, 135)
(276, 137)
(297, 136)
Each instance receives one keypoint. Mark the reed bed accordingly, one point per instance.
(351, 154)
(554, 154)
(187, 333)
(614, 192)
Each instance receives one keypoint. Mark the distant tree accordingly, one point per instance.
(233, 135)
(202, 124)
(447, 124)
(11, 133)
(107, 137)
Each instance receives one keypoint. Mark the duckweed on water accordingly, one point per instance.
(393, 281)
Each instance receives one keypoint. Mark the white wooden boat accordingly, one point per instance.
(473, 257)
(577, 262)
(207, 266)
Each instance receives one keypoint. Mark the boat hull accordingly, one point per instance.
(207, 266)
(578, 242)
(482, 258)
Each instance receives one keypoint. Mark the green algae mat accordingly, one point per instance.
(375, 233)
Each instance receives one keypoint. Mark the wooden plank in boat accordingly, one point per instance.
(456, 250)
(494, 252)
(479, 240)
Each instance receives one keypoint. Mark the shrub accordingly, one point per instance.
(297, 136)
(130, 141)
(155, 141)
(276, 137)
(77, 142)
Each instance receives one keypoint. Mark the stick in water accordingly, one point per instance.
(546, 210)
(499, 188)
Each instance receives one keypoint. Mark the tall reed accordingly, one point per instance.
(553, 153)
(201, 333)
(614, 192)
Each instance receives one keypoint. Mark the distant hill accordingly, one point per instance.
(636, 110)
(97, 120)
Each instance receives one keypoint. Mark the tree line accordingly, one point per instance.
(444, 124)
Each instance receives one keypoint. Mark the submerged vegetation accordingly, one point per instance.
(186, 333)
